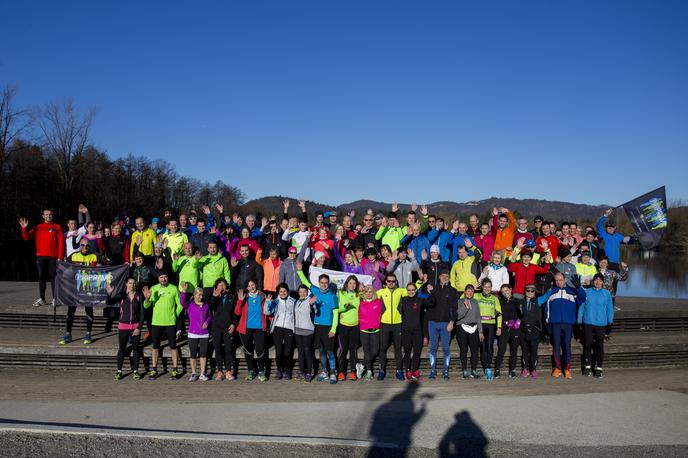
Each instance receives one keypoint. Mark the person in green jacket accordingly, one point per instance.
(164, 298)
(390, 233)
(187, 268)
(212, 266)
(348, 331)
(491, 319)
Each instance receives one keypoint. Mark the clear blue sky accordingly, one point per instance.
(583, 101)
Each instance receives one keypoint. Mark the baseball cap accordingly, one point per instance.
(538, 218)
(292, 249)
(155, 220)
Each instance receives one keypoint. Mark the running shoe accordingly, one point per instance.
(587, 371)
(287, 376)
(359, 370)
(415, 376)
(399, 375)
(153, 374)
(229, 376)
(556, 373)
(497, 373)
(525, 373)
(488, 374)
(512, 374)
(368, 375)
(136, 375)
(278, 375)
(203, 378)
(341, 377)
(352, 376)
(381, 375)
(598, 372)
(88, 340)
(534, 374)
(118, 375)
(298, 375)
(250, 376)
(262, 377)
(308, 377)
(433, 375)
(333, 379)
(219, 376)
(178, 334)
(39, 302)
(408, 375)
(321, 376)
(567, 374)
(193, 377)
(465, 374)
(475, 375)
(175, 374)
(65, 339)
(445, 375)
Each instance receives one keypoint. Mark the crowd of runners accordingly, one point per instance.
(223, 281)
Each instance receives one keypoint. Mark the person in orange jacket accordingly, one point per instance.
(503, 227)
(271, 271)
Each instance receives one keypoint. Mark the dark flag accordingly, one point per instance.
(85, 286)
(649, 216)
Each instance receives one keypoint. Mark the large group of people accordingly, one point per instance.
(405, 281)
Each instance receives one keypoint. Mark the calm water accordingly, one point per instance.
(655, 274)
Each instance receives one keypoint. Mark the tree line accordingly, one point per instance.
(48, 161)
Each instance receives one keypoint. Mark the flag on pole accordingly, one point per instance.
(649, 216)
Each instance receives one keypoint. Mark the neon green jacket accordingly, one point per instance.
(188, 272)
(212, 268)
(348, 317)
(175, 242)
(390, 299)
(390, 236)
(490, 309)
(166, 305)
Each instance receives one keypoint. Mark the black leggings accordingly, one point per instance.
(390, 333)
(224, 350)
(254, 340)
(371, 347)
(512, 337)
(487, 346)
(467, 341)
(198, 347)
(412, 340)
(123, 336)
(284, 345)
(46, 273)
(594, 346)
(305, 346)
(530, 340)
(71, 310)
(348, 342)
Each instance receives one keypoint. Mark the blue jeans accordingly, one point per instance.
(438, 330)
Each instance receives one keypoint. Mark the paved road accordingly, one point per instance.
(397, 417)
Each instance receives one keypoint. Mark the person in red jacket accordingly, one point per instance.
(525, 273)
(49, 248)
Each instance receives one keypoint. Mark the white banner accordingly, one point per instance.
(336, 277)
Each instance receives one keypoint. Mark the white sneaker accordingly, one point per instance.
(38, 302)
(359, 370)
(203, 378)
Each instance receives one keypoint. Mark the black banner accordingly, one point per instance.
(85, 286)
(649, 216)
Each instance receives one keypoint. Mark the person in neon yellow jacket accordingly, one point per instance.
(164, 298)
(187, 268)
(144, 237)
(389, 232)
(174, 239)
(585, 268)
(212, 266)
(465, 269)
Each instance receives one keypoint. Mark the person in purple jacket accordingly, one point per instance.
(371, 266)
(199, 323)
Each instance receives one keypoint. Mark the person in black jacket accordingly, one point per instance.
(246, 269)
(130, 322)
(511, 329)
(222, 305)
(201, 238)
(442, 299)
(272, 238)
(411, 308)
(531, 331)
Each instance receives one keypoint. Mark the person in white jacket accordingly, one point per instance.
(496, 272)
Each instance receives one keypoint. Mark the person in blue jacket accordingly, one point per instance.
(596, 313)
(326, 319)
(459, 237)
(612, 240)
(416, 241)
(442, 238)
(562, 302)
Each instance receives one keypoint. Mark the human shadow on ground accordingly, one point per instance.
(393, 423)
(464, 438)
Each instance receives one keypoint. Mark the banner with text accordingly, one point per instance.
(336, 277)
(85, 286)
(649, 216)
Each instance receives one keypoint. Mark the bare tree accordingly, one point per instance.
(12, 123)
(64, 133)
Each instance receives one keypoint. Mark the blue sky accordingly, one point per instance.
(582, 101)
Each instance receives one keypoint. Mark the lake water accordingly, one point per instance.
(654, 274)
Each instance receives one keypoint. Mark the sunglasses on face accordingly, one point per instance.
(391, 281)
(530, 291)
(83, 246)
